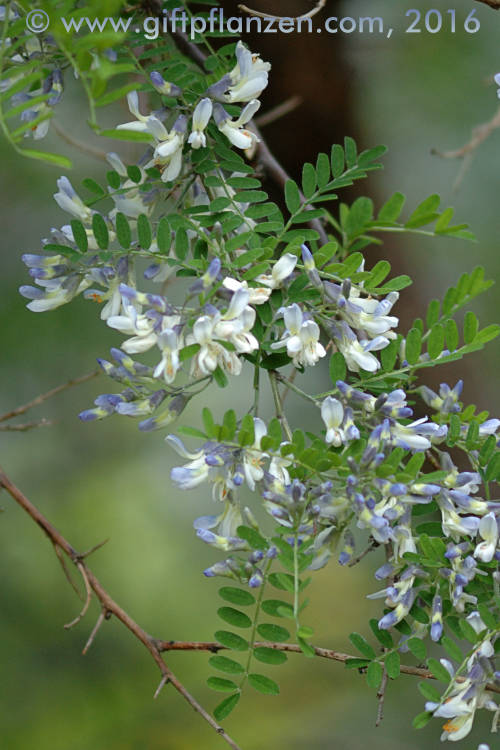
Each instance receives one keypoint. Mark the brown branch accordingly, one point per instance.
(319, 6)
(85, 148)
(479, 134)
(495, 4)
(109, 605)
(44, 396)
(381, 697)
(355, 560)
(25, 427)
(281, 110)
(324, 653)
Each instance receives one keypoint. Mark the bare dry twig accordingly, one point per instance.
(355, 560)
(85, 148)
(25, 427)
(44, 396)
(317, 8)
(109, 606)
(479, 134)
(381, 697)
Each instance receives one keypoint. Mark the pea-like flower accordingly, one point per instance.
(301, 337)
(164, 87)
(250, 76)
(234, 130)
(211, 353)
(488, 531)
(136, 325)
(140, 124)
(332, 413)
(280, 272)
(169, 344)
(357, 352)
(256, 295)
(168, 152)
(201, 118)
(67, 199)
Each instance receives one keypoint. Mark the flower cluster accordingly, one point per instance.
(464, 697)
(243, 85)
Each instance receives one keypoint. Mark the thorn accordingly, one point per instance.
(87, 600)
(92, 549)
(100, 620)
(164, 681)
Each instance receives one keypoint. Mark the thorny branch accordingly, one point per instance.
(324, 653)
(319, 6)
(109, 606)
(157, 647)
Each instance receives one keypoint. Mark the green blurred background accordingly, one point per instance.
(94, 481)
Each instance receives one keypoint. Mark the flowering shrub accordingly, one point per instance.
(186, 257)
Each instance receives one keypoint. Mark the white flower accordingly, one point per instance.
(132, 202)
(253, 456)
(497, 81)
(278, 467)
(67, 199)
(311, 350)
(281, 270)
(408, 435)
(55, 292)
(488, 530)
(233, 129)
(250, 76)
(256, 296)
(475, 621)
(301, 337)
(332, 413)
(140, 124)
(138, 326)
(169, 344)
(201, 117)
(370, 315)
(168, 152)
(236, 323)
(192, 474)
(112, 296)
(489, 427)
(357, 354)
(211, 354)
